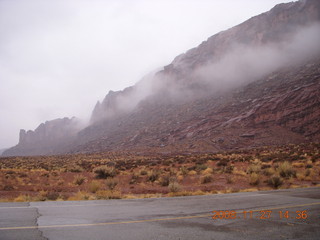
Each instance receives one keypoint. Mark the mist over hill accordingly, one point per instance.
(255, 84)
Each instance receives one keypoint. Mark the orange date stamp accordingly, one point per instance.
(261, 214)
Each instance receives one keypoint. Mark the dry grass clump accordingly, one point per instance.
(174, 187)
(94, 186)
(111, 183)
(298, 164)
(275, 181)
(254, 168)
(153, 175)
(254, 179)
(143, 172)
(230, 179)
(268, 172)
(165, 180)
(286, 170)
(184, 171)
(206, 179)
(108, 194)
(207, 171)
(80, 196)
(79, 180)
(104, 172)
(200, 167)
(75, 168)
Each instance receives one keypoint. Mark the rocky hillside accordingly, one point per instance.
(281, 108)
(48, 138)
(252, 85)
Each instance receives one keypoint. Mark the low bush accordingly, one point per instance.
(285, 170)
(78, 180)
(254, 179)
(206, 179)
(275, 181)
(174, 187)
(111, 183)
(153, 175)
(104, 172)
(94, 186)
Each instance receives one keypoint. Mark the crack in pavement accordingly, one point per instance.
(38, 215)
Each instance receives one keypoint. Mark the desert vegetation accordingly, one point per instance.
(129, 175)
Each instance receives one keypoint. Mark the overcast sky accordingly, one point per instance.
(58, 58)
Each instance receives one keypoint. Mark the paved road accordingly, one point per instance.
(168, 218)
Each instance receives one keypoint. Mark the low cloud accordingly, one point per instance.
(243, 64)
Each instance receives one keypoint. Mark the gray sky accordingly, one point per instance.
(57, 58)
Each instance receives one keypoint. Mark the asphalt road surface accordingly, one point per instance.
(281, 214)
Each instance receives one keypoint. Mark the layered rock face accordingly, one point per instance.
(48, 138)
(255, 84)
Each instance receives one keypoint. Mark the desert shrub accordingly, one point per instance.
(143, 172)
(153, 175)
(268, 171)
(285, 170)
(164, 180)
(228, 169)
(230, 179)
(23, 198)
(265, 166)
(52, 196)
(107, 194)
(23, 175)
(78, 180)
(75, 168)
(254, 168)
(307, 172)
(10, 172)
(8, 187)
(184, 171)
(94, 186)
(222, 163)
(206, 179)
(201, 167)
(104, 172)
(254, 179)
(275, 181)
(45, 174)
(134, 179)
(207, 171)
(308, 165)
(111, 183)
(79, 196)
(174, 187)
(298, 164)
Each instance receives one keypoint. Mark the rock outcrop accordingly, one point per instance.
(48, 138)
